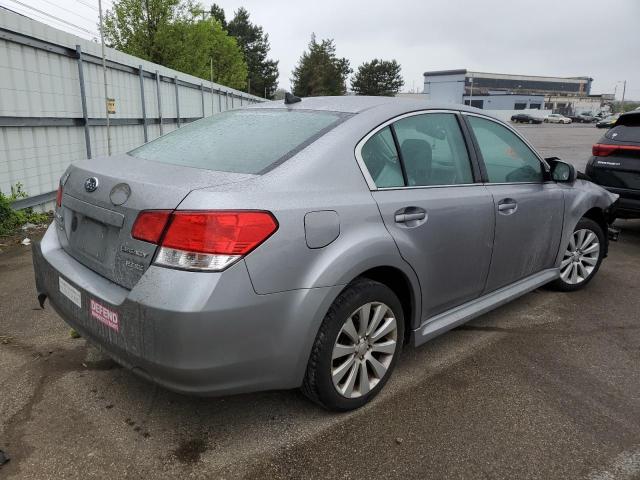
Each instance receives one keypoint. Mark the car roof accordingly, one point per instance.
(357, 104)
(631, 118)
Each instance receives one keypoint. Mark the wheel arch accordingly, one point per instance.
(584, 200)
(399, 283)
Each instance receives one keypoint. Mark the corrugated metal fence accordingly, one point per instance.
(52, 103)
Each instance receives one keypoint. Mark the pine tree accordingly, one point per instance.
(377, 77)
(320, 71)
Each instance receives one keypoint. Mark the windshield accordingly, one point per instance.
(240, 141)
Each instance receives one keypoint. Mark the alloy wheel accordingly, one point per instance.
(581, 257)
(364, 349)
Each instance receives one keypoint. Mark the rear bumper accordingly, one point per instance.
(192, 332)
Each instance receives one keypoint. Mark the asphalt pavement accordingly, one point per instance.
(545, 387)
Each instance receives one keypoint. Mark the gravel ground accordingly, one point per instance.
(545, 387)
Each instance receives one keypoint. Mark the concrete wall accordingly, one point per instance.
(444, 88)
(573, 105)
(42, 120)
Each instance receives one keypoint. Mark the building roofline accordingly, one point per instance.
(437, 73)
(506, 95)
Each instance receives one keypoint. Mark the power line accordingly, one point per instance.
(93, 7)
(70, 11)
(43, 19)
(54, 17)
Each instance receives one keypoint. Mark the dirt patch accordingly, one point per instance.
(190, 451)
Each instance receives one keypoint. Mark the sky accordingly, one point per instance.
(596, 38)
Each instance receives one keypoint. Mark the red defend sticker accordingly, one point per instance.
(104, 315)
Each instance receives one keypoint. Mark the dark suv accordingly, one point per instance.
(615, 163)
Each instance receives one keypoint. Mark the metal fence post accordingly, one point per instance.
(159, 102)
(219, 100)
(202, 97)
(144, 108)
(83, 98)
(175, 80)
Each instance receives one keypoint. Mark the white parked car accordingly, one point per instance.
(557, 118)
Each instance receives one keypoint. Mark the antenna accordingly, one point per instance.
(289, 98)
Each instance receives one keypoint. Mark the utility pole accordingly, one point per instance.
(624, 89)
(212, 110)
(104, 74)
(471, 92)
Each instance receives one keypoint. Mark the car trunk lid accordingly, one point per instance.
(102, 199)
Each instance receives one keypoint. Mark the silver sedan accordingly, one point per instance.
(303, 244)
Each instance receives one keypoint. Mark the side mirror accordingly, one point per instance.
(561, 172)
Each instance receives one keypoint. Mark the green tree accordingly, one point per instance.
(173, 33)
(377, 77)
(217, 12)
(320, 71)
(263, 72)
(191, 46)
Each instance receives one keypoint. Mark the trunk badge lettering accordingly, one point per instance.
(91, 184)
(133, 251)
(134, 265)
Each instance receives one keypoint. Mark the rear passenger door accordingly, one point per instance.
(529, 209)
(433, 204)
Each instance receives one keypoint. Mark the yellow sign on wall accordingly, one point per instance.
(111, 105)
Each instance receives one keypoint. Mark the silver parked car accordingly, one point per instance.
(303, 244)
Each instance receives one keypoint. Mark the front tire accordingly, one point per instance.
(356, 348)
(582, 257)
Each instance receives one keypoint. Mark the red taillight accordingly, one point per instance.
(59, 196)
(218, 232)
(150, 224)
(203, 240)
(603, 150)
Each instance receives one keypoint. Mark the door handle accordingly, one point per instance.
(507, 206)
(408, 217)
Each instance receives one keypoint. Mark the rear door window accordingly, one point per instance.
(240, 141)
(381, 158)
(433, 150)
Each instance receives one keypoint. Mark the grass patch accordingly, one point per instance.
(11, 220)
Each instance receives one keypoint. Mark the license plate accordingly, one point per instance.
(70, 292)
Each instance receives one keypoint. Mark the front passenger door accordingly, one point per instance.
(528, 210)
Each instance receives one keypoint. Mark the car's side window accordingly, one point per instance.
(507, 158)
(381, 158)
(433, 150)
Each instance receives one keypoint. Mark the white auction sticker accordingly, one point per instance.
(104, 315)
(70, 292)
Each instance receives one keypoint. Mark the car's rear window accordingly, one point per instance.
(240, 141)
(624, 133)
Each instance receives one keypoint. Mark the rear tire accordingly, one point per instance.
(356, 348)
(582, 257)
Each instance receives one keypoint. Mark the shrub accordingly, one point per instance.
(10, 219)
